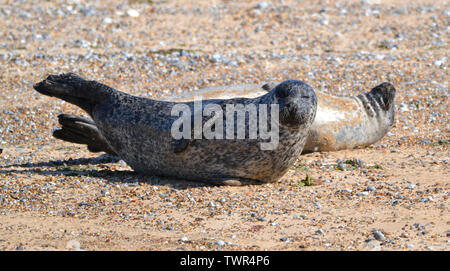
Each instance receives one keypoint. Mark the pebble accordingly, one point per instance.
(379, 236)
(107, 20)
(87, 11)
(184, 239)
(262, 5)
(363, 193)
(220, 243)
(133, 13)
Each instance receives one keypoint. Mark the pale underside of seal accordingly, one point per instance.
(138, 130)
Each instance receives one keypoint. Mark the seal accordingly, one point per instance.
(340, 123)
(139, 131)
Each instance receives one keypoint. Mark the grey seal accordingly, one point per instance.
(340, 122)
(138, 130)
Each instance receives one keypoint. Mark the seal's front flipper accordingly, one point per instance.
(81, 130)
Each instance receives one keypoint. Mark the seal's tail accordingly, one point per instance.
(74, 89)
(82, 130)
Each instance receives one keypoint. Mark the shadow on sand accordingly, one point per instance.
(67, 168)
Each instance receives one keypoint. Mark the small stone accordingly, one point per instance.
(411, 186)
(319, 232)
(410, 245)
(285, 239)
(184, 239)
(379, 236)
(88, 11)
(418, 226)
(217, 58)
(262, 5)
(105, 192)
(439, 62)
(107, 20)
(324, 21)
(220, 243)
(371, 188)
(133, 13)
(25, 15)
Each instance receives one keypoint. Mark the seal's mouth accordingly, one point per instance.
(295, 116)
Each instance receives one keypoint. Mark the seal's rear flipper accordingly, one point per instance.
(82, 130)
(385, 95)
(379, 103)
(74, 89)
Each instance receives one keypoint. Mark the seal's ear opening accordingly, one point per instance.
(385, 95)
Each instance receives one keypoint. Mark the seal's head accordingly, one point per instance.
(297, 102)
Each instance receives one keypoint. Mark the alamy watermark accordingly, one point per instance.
(213, 128)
